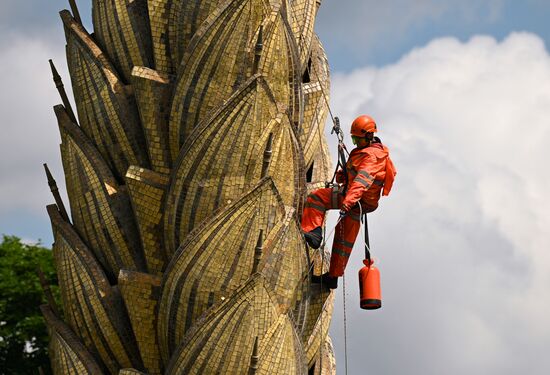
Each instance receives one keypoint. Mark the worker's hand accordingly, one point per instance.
(345, 208)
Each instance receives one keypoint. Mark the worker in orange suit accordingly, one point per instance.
(370, 174)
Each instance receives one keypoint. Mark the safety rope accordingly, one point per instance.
(345, 323)
(345, 312)
(342, 151)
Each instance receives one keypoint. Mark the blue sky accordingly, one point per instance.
(346, 28)
(461, 92)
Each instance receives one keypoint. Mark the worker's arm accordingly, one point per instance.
(360, 184)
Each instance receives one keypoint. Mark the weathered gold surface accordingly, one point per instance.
(128, 371)
(158, 18)
(200, 131)
(225, 337)
(321, 303)
(302, 19)
(325, 363)
(218, 60)
(280, 64)
(147, 190)
(211, 171)
(121, 28)
(152, 92)
(99, 206)
(92, 307)
(140, 292)
(316, 98)
(184, 20)
(69, 355)
(215, 260)
(106, 111)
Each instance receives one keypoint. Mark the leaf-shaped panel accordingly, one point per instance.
(185, 19)
(216, 259)
(325, 364)
(302, 19)
(316, 98)
(121, 28)
(280, 64)
(286, 164)
(281, 351)
(100, 208)
(69, 356)
(223, 341)
(321, 305)
(106, 111)
(219, 59)
(222, 160)
(93, 309)
(285, 264)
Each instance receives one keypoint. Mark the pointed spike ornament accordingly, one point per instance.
(55, 192)
(258, 252)
(267, 155)
(74, 10)
(254, 359)
(61, 89)
(47, 291)
(258, 50)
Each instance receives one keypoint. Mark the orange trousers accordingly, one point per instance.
(317, 204)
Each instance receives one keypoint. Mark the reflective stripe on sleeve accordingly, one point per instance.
(340, 252)
(366, 175)
(344, 243)
(315, 198)
(315, 206)
(362, 181)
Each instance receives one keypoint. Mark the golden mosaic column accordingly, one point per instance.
(198, 131)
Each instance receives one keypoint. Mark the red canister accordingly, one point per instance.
(369, 286)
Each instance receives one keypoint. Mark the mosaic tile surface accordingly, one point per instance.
(199, 132)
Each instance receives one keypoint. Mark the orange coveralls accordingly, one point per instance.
(370, 173)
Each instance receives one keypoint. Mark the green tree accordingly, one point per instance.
(23, 334)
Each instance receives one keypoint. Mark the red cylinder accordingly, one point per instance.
(369, 286)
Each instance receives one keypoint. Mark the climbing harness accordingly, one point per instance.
(342, 151)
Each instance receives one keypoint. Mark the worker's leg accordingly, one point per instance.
(344, 238)
(317, 203)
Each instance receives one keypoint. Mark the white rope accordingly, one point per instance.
(345, 324)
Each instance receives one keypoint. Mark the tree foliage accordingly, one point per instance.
(23, 334)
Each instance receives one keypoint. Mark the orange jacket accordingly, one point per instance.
(370, 173)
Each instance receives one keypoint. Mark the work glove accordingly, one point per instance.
(344, 210)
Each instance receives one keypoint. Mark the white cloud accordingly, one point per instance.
(463, 237)
(29, 134)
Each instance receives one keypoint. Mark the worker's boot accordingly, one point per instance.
(314, 238)
(325, 279)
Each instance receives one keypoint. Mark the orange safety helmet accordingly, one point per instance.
(362, 125)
